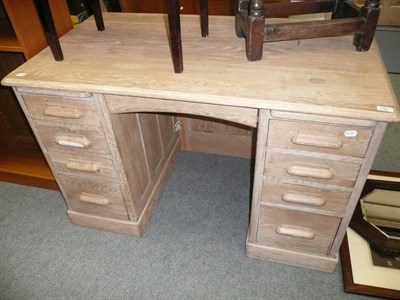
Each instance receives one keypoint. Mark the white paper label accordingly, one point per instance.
(350, 133)
(384, 108)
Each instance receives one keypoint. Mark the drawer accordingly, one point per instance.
(334, 139)
(294, 196)
(85, 165)
(93, 195)
(299, 168)
(296, 230)
(72, 111)
(78, 141)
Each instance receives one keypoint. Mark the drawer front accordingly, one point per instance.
(71, 111)
(93, 195)
(334, 139)
(85, 165)
(78, 141)
(296, 230)
(300, 168)
(294, 196)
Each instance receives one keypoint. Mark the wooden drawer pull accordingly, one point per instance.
(308, 199)
(72, 141)
(94, 199)
(80, 165)
(317, 141)
(297, 232)
(62, 112)
(323, 172)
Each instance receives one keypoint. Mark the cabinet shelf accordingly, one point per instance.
(8, 40)
(27, 170)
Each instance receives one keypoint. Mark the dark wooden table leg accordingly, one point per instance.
(204, 17)
(96, 9)
(175, 34)
(46, 19)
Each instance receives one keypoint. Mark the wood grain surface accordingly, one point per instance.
(132, 57)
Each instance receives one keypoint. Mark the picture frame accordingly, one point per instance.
(378, 187)
(367, 270)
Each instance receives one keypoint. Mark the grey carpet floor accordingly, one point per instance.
(192, 249)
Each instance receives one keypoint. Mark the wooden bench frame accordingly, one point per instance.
(347, 19)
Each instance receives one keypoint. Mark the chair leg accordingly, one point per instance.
(96, 9)
(46, 19)
(204, 17)
(175, 34)
(338, 13)
(363, 39)
(255, 34)
(242, 13)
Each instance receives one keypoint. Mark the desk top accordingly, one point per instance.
(132, 57)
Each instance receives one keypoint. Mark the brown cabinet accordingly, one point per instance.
(216, 7)
(21, 37)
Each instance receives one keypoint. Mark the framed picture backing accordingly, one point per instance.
(366, 268)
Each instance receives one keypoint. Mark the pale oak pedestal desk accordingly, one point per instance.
(105, 119)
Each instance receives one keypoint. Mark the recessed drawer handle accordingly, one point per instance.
(317, 141)
(72, 141)
(80, 165)
(308, 199)
(297, 232)
(94, 199)
(62, 112)
(323, 172)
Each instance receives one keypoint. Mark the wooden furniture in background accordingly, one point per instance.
(110, 135)
(21, 37)
(390, 12)
(347, 19)
(215, 7)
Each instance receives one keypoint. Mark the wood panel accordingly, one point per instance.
(27, 170)
(390, 12)
(167, 128)
(15, 133)
(144, 141)
(216, 7)
(130, 144)
(208, 135)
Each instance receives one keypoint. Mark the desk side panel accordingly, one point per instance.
(145, 144)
